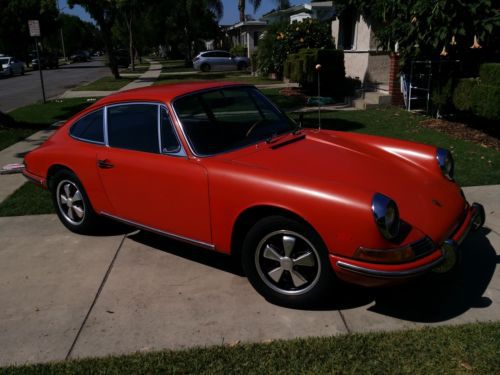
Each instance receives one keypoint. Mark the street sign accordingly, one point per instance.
(34, 27)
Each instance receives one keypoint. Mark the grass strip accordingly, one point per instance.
(105, 84)
(470, 348)
(239, 77)
(27, 200)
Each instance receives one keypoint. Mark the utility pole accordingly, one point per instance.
(61, 31)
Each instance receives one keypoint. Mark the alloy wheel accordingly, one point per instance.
(287, 262)
(70, 202)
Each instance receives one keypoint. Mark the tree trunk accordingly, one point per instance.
(108, 45)
(131, 43)
(241, 8)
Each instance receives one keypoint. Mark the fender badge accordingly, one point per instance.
(437, 203)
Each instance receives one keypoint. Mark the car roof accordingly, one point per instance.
(162, 93)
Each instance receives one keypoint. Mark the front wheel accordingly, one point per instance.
(287, 262)
(205, 67)
(72, 204)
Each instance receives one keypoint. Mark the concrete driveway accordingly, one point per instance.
(67, 296)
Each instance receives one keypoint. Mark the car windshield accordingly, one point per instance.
(4, 61)
(229, 118)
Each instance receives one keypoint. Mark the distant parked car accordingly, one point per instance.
(79, 56)
(46, 61)
(219, 60)
(10, 66)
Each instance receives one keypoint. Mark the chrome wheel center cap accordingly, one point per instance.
(286, 263)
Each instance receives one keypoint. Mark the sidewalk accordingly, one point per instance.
(144, 80)
(68, 296)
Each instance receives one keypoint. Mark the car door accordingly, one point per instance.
(148, 178)
(226, 61)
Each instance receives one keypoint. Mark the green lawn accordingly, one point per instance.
(471, 348)
(240, 77)
(106, 84)
(22, 122)
(27, 200)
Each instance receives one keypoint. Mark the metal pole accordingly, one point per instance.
(40, 69)
(319, 102)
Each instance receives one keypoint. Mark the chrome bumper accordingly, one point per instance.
(449, 251)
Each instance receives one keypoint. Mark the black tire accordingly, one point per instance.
(205, 67)
(303, 273)
(22, 71)
(242, 65)
(77, 213)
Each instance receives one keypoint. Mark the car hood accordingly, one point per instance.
(405, 171)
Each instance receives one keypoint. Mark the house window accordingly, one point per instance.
(256, 36)
(347, 24)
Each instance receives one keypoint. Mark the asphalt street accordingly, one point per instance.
(18, 91)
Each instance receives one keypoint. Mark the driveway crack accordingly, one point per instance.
(345, 321)
(101, 286)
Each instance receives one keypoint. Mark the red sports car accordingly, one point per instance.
(219, 166)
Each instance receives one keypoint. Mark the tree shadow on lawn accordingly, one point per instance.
(429, 298)
(330, 124)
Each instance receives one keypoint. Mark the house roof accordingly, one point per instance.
(246, 24)
(298, 9)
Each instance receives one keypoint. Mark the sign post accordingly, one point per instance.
(34, 27)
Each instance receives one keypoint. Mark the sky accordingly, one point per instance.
(231, 14)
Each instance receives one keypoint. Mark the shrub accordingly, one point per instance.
(486, 99)
(463, 94)
(283, 39)
(238, 50)
(490, 74)
(300, 67)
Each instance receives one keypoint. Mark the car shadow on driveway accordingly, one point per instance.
(186, 251)
(437, 298)
(428, 299)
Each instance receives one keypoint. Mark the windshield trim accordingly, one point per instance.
(222, 87)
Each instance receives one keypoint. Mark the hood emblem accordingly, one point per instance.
(437, 203)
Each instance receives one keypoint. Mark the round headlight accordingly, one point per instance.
(445, 162)
(386, 214)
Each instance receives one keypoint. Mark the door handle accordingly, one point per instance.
(104, 164)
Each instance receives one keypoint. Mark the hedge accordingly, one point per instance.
(486, 101)
(300, 67)
(462, 95)
(490, 74)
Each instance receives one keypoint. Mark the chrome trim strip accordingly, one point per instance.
(180, 150)
(158, 127)
(105, 122)
(389, 274)
(161, 232)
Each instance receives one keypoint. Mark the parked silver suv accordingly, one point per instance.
(219, 60)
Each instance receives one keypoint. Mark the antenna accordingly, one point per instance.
(318, 69)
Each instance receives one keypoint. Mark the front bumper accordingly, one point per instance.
(441, 260)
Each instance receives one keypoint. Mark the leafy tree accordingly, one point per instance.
(104, 12)
(14, 16)
(426, 28)
(282, 4)
(282, 39)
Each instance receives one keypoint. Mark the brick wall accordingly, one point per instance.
(394, 81)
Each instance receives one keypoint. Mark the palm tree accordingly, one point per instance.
(282, 4)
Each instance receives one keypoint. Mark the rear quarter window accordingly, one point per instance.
(89, 128)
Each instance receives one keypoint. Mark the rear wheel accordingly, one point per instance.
(287, 262)
(205, 67)
(242, 65)
(72, 204)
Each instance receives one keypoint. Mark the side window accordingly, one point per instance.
(89, 127)
(134, 127)
(169, 141)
